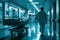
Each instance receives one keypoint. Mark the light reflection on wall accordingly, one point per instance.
(48, 13)
(57, 17)
(52, 21)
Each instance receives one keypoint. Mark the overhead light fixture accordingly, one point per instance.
(36, 2)
(30, 0)
(35, 7)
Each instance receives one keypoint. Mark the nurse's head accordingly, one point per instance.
(42, 8)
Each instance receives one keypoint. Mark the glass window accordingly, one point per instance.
(11, 12)
(6, 11)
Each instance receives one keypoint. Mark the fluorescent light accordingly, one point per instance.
(35, 7)
(30, 0)
(36, 2)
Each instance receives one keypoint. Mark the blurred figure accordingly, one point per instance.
(42, 18)
(31, 25)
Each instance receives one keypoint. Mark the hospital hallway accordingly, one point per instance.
(18, 20)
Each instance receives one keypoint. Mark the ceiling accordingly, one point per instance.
(47, 4)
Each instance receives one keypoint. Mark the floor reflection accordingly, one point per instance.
(35, 34)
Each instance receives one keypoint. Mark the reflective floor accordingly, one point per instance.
(33, 33)
(36, 34)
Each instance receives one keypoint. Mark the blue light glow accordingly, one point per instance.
(30, 0)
